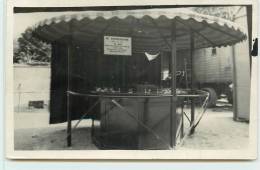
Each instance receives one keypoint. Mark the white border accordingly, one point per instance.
(250, 153)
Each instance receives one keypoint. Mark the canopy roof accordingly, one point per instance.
(150, 29)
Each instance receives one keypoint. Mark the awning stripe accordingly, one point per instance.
(210, 30)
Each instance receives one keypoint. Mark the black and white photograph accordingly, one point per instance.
(132, 78)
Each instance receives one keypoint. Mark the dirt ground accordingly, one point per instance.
(217, 130)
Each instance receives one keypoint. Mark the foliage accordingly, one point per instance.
(29, 49)
(223, 12)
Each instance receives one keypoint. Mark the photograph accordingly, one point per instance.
(131, 78)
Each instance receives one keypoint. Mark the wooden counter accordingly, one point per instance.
(134, 123)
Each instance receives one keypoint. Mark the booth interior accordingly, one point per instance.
(141, 85)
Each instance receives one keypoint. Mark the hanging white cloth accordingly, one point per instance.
(151, 56)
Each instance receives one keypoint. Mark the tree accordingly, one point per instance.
(218, 11)
(30, 49)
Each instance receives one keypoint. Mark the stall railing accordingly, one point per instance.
(184, 98)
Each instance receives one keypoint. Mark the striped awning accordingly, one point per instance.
(150, 29)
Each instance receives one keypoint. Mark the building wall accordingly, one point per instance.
(31, 83)
(242, 72)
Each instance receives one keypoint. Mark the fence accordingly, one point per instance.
(31, 88)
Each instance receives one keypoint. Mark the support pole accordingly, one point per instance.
(173, 100)
(235, 111)
(69, 56)
(68, 104)
(192, 83)
(92, 127)
(123, 67)
(182, 119)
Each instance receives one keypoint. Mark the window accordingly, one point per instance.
(213, 51)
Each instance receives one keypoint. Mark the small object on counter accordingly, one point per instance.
(181, 91)
(98, 89)
(111, 90)
(166, 91)
(145, 91)
(131, 91)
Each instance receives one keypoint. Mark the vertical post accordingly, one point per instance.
(234, 90)
(68, 107)
(186, 74)
(173, 116)
(92, 127)
(161, 69)
(234, 81)
(123, 67)
(192, 82)
(69, 55)
(182, 119)
(99, 68)
(249, 30)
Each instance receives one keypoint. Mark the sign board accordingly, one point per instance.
(114, 45)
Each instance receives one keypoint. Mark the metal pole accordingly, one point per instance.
(192, 82)
(69, 55)
(173, 100)
(186, 73)
(182, 119)
(234, 90)
(68, 108)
